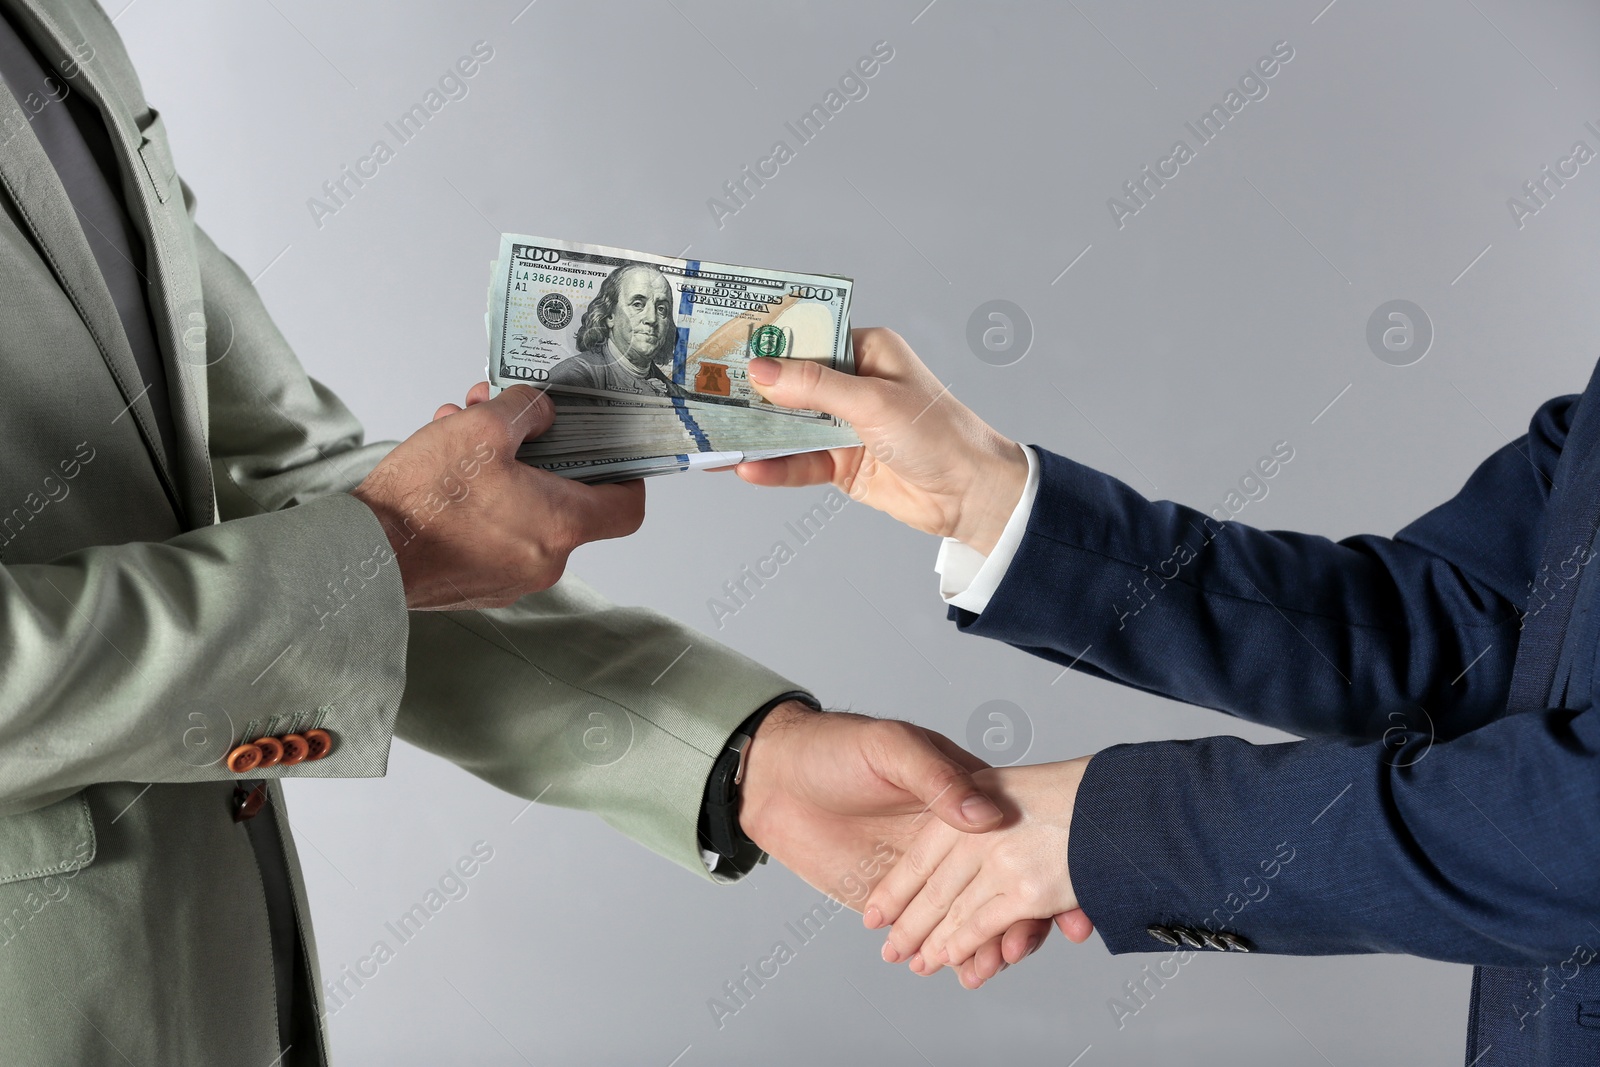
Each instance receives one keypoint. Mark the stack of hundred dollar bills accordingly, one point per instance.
(645, 355)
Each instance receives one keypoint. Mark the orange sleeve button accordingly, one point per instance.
(295, 749)
(320, 743)
(271, 751)
(244, 759)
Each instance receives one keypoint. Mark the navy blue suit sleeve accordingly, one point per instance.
(1477, 850)
(1359, 638)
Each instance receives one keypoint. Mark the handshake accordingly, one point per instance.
(965, 863)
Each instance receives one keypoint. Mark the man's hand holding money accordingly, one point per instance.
(472, 527)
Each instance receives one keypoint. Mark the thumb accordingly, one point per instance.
(522, 411)
(917, 765)
(802, 383)
(1075, 925)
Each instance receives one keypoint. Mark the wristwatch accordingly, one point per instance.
(719, 814)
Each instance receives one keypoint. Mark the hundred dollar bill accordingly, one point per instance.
(606, 323)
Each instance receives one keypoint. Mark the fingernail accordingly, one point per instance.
(1033, 942)
(890, 953)
(979, 809)
(916, 963)
(872, 917)
(763, 370)
(1003, 966)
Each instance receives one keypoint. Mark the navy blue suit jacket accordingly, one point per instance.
(1446, 800)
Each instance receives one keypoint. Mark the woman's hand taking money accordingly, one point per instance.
(926, 459)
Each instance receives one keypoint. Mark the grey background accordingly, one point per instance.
(1223, 318)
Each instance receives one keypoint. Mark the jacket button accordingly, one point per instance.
(1214, 940)
(1162, 934)
(246, 802)
(1235, 942)
(1188, 937)
(319, 743)
(295, 749)
(271, 751)
(244, 759)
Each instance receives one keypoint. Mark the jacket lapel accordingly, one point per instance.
(153, 200)
(1539, 677)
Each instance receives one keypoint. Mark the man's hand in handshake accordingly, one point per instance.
(840, 798)
(954, 895)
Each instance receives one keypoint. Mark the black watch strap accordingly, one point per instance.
(719, 814)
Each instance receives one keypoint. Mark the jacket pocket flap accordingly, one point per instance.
(53, 839)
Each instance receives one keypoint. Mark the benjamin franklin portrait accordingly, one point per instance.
(626, 337)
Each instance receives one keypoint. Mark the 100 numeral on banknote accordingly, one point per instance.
(586, 318)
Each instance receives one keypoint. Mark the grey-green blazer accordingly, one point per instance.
(156, 609)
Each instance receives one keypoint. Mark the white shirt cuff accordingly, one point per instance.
(967, 579)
